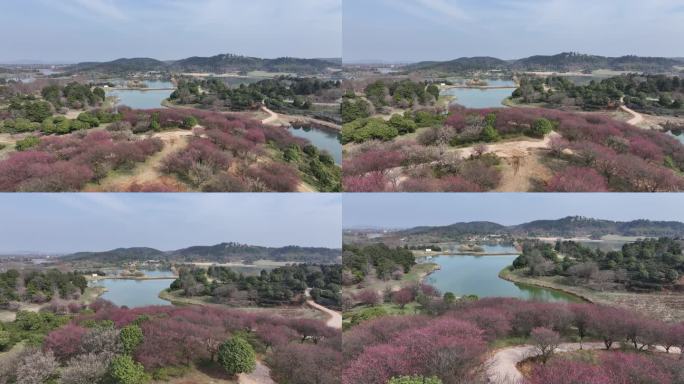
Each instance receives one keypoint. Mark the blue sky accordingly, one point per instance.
(414, 30)
(405, 210)
(84, 30)
(96, 221)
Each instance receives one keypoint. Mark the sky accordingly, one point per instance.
(407, 210)
(417, 30)
(64, 223)
(67, 31)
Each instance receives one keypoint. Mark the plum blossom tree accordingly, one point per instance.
(403, 297)
(546, 341)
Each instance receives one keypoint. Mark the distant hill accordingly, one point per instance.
(119, 65)
(219, 253)
(214, 64)
(562, 62)
(459, 229)
(573, 226)
(462, 64)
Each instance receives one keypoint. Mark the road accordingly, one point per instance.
(502, 366)
(273, 117)
(260, 375)
(334, 318)
(637, 118)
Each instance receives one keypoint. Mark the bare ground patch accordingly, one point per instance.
(150, 170)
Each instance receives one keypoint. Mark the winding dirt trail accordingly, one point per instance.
(637, 118)
(272, 118)
(501, 368)
(260, 375)
(334, 317)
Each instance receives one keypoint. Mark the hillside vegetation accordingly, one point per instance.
(562, 62)
(568, 227)
(651, 264)
(214, 64)
(219, 253)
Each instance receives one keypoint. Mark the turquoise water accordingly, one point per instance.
(679, 137)
(134, 293)
(479, 98)
(141, 99)
(479, 275)
(323, 139)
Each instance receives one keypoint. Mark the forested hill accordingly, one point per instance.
(562, 62)
(463, 64)
(460, 229)
(214, 64)
(573, 226)
(219, 253)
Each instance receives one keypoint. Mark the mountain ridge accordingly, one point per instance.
(220, 63)
(570, 226)
(565, 61)
(222, 252)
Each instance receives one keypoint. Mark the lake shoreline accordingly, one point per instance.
(508, 275)
(458, 271)
(664, 306)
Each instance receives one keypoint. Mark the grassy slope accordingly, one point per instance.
(663, 306)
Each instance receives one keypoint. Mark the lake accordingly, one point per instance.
(134, 293)
(479, 97)
(479, 275)
(679, 137)
(323, 139)
(142, 99)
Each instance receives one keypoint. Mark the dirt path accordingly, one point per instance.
(511, 149)
(501, 368)
(304, 187)
(637, 118)
(149, 171)
(518, 172)
(288, 120)
(260, 375)
(521, 162)
(272, 118)
(334, 318)
(9, 356)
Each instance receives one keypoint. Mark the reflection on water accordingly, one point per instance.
(134, 293)
(479, 98)
(479, 275)
(326, 140)
(142, 99)
(677, 135)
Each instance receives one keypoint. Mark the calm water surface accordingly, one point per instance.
(134, 293)
(479, 275)
(141, 99)
(481, 98)
(679, 137)
(323, 139)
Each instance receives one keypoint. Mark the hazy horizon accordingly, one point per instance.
(72, 31)
(387, 210)
(440, 30)
(66, 223)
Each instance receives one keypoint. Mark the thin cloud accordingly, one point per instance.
(444, 7)
(103, 9)
(431, 10)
